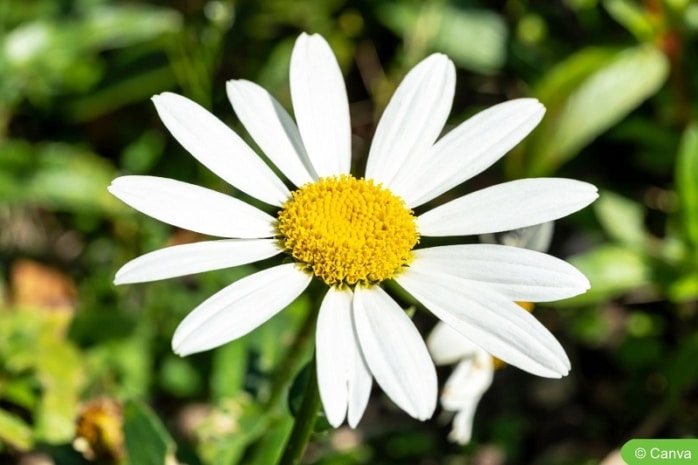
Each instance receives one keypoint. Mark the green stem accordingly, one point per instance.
(286, 368)
(289, 364)
(305, 420)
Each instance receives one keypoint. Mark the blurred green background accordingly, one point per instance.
(86, 370)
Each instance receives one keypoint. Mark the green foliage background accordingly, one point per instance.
(618, 80)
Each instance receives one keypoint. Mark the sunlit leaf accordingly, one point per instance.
(60, 372)
(687, 182)
(35, 351)
(621, 218)
(14, 431)
(637, 20)
(45, 57)
(58, 176)
(586, 95)
(120, 25)
(474, 38)
(612, 271)
(685, 288)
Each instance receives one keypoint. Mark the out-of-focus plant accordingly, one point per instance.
(41, 375)
(60, 51)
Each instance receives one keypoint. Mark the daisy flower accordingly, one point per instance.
(354, 233)
(475, 367)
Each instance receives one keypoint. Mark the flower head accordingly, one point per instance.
(354, 233)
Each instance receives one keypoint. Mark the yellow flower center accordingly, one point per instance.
(347, 231)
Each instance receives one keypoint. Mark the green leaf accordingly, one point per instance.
(127, 359)
(112, 26)
(270, 445)
(474, 38)
(685, 288)
(14, 431)
(230, 428)
(128, 90)
(621, 218)
(585, 96)
(632, 17)
(58, 176)
(612, 271)
(140, 156)
(46, 370)
(147, 440)
(60, 372)
(687, 182)
(228, 370)
(296, 393)
(179, 377)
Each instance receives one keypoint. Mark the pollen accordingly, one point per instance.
(346, 230)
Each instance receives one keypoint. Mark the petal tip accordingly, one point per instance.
(178, 347)
(159, 99)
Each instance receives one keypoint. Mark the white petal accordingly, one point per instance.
(239, 308)
(470, 148)
(192, 207)
(343, 378)
(321, 106)
(463, 391)
(446, 345)
(489, 320)
(537, 237)
(507, 206)
(185, 259)
(272, 129)
(412, 121)
(469, 381)
(359, 386)
(218, 148)
(395, 352)
(334, 339)
(518, 274)
(462, 430)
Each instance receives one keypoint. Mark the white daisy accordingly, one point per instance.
(475, 370)
(354, 233)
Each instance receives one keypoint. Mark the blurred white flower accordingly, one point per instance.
(354, 233)
(469, 380)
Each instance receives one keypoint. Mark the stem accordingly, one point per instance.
(286, 368)
(305, 420)
(289, 364)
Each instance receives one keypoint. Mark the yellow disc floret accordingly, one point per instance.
(347, 231)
